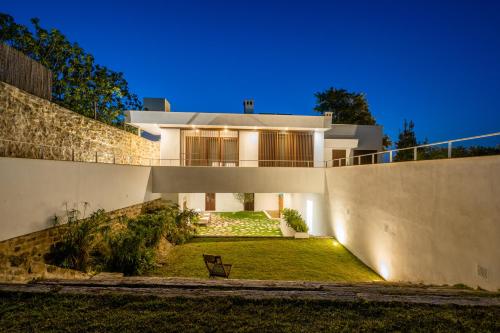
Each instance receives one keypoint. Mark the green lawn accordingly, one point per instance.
(241, 224)
(83, 313)
(314, 259)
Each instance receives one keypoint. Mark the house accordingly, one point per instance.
(249, 140)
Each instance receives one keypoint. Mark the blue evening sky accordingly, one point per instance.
(436, 62)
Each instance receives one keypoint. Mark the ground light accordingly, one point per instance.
(309, 214)
(384, 270)
(340, 233)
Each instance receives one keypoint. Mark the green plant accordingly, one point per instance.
(294, 220)
(132, 250)
(128, 253)
(129, 246)
(78, 241)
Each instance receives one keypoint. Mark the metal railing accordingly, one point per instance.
(398, 155)
(22, 149)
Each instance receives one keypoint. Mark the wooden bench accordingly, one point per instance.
(216, 267)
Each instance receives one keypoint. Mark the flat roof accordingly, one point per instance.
(152, 121)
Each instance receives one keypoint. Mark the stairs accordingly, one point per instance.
(205, 218)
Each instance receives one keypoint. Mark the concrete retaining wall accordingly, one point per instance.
(237, 180)
(32, 191)
(431, 221)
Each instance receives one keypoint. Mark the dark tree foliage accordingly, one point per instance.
(347, 108)
(79, 84)
(406, 138)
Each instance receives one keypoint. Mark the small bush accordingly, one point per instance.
(132, 251)
(128, 253)
(74, 250)
(129, 247)
(294, 220)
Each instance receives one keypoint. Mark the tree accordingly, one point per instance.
(79, 84)
(406, 138)
(347, 108)
(244, 197)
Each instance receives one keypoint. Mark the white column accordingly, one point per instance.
(249, 148)
(170, 146)
(319, 143)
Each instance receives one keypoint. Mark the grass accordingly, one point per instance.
(258, 216)
(314, 259)
(241, 224)
(84, 313)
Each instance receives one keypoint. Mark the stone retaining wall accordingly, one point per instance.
(28, 121)
(21, 258)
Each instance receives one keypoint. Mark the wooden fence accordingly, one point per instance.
(23, 72)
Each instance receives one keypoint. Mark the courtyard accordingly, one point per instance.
(241, 224)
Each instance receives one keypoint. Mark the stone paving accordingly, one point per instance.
(241, 224)
(258, 289)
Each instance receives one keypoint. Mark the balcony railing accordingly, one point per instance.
(21, 149)
(437, 150)
(429, 151)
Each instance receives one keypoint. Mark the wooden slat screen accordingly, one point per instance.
(21, 71)
(203, 147)
(286, 149)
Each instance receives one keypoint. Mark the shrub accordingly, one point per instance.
(132, 251)
(75, 248)
(294, 220)
(129, 247)
(128, 253)
(179, 224)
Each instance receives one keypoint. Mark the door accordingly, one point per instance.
(209, 201)
(337, 154)
(248, 203)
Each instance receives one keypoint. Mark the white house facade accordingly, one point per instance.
(192, 141)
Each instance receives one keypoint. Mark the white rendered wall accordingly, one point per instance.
(170, 146)
(319, 144)
(249, 148)
(266, 201)
(32, 191)
(226, 202)
(313, 209)
(238, 180)
(435, 222)
(193, 200)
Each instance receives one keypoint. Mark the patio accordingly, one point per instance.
(255, 224)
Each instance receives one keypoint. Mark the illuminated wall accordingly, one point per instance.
(435, 222)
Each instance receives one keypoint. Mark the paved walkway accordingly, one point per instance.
(257, 289)
(258, 225)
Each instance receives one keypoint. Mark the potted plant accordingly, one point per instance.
(295, 221)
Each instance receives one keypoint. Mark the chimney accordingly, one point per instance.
(156, 104)
(248, 106)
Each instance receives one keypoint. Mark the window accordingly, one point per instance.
(202, 147)
(286, 149)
